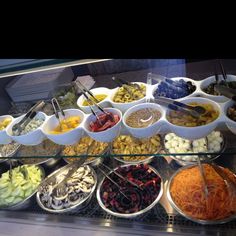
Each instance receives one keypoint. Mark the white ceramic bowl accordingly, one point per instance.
(229, 123)
(34, 137)
(177, 79)
(198, 131)
(147, 131)
(67, 138)
(125, 106)
(4, 138)
(107, 135)
(104, 103)
(204, 83)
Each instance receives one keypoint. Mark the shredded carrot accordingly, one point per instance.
(187, 191)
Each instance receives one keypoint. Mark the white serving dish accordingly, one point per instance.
(200, 85)
(108, 101)
(204, 83)
(147, 131)
(67, 138)
(107, 135)
(162, 125)
(229, 123)
(104, 103)
(154, 87)
(34, 137)
(198, 131)
(4, 138)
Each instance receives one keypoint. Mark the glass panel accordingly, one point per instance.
(163, 151)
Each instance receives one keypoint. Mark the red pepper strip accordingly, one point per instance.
(107, 125)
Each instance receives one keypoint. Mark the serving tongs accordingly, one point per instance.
(57, 110)
(226, 91)
(202, 172)
(121, 82)
(194, 111)
(52, 180)
(223, 73)
(18, 127)
(59, 188)
(160, 78)
(126, 85)
(85, 90)
(231, 186)
(122, 177)
(117, 185)
(92, 103)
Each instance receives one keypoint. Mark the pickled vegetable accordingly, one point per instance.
(183, 119)
(137, 200)
(210, 89)
(129, 93)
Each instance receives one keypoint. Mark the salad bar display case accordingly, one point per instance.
(151, 148)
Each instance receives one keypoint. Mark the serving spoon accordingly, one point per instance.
(194, 111)
(150, 119)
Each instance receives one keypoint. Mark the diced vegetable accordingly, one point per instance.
(105, 122)
(21, 186)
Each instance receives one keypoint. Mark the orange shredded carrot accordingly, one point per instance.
(187, 191)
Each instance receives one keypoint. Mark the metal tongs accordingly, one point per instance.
(18, 127)
(57, 108)
(202, 172)
(121, 82)
(52, 180)
(226, 91)
(231, 186)
(92, 102)
(125, 84)
(59, 187)
(85, 90)
(194, 111)
(120, 176)
(223, 73)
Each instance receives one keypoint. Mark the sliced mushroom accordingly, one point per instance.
(89, 179)
(60, 198)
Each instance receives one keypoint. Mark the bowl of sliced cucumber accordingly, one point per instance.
(18, 187)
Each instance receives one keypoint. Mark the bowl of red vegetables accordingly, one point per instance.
(139, 200)
(106, 126)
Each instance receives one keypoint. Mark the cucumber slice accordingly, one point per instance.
(16, 192)
(3, 185)
(22, 193)
(10, 199)
(17, 199)
(7, 193)
(28, 192)
(26, 186)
